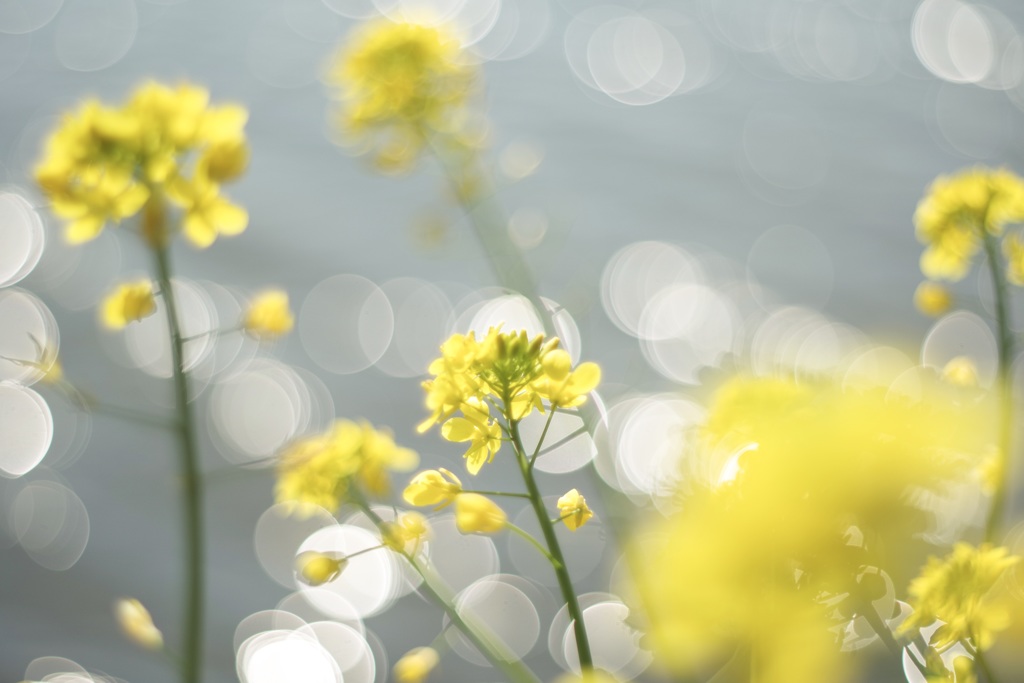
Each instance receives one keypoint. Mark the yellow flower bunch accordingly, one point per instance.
(959, 590)
(813, 484)
(105, 163)
(959, 211)
(320, 470)
(507, 370)
(401, 83)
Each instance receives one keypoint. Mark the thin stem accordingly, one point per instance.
(123, 413)
(532, 541)
(543, 434)
(213, 333)
(564, 440)
(866, 610)
(496, 493)
(490, 648)
(558, 560)
(192, 637)
(1005, 350)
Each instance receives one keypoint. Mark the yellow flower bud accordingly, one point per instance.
(137, 624)
(314, 568)
(574, 510)
(415, 665)
(477, 514)
(432, 487)
(129, 302)
(932, 298)
(269, 315)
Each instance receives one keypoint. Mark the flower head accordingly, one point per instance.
(314, 568)
(573, 509)
(932, 298)
(137, 625)
(128, 303)
(958, 590)
(959, 211)
(104, 163)
(432, 487)
(269, 315)
(477, 514)
(415, 665)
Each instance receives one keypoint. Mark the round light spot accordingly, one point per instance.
(316, 604)
(527, 228)
(266, 620)
(520, 158)
(368, 580)
(561, 621)
(458, 558)
(94, 34)
(287, 657)
(29, 337)
(26, 429)
(874, 367)
(51, 524)
(278, 536)
(648, 439)
(507, 612)
(962, 334)
(21, 237)
(421, 315)
(42, 668)
(635, 60)
(346, 324)
(25, 16)
(614, 643)
(567, 446)
(348, 647)
(953, 40)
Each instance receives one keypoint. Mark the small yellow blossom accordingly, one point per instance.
(959, 590)
(477, 514)
(128, 303)
(563, 387)
(269, 315)
(477, 427)
(958, 213)
(137, 625)
(315, 568)
(573, 510)
(407, 533)
(415, 665)
(961, 371)
(932, 298)
(432, 487)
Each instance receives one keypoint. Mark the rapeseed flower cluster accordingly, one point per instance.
(400, 84)
(323, 469)
(505, 371)
(961, 211)
(816, 486)
(960, 591)
(106, 163)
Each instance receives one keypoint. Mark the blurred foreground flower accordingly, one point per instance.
(269, 315)
(932, 298)
(103, 163)
(136, 624)
(128, 303)
(415, 665)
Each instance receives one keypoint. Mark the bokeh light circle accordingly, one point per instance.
(346, 324)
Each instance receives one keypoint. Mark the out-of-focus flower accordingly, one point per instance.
(319, 470)
(588, 676)
(824, 484)
(961, 371)
(315, 568)
(137, 625)
(477, 514)
(932, 298)
(432, 487)
(103, 164)
(574, 510)
(128, 303)
(407, 533)
(400, 84)
(269, 315)
(1013, 250)
(959, 590)
(415, 665)
(959, 211)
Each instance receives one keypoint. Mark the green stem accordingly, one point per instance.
(532, 541)
(129, 414)
(490, 648)
(982, 664)
(558, 560)
(496, 493)
(543, 434)
(1005, 350)
(192, 637)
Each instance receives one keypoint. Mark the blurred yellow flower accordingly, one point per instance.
(137, 625)
(103, 164)
(269, 315)
(315, 568)
(959, 211)
(401, 83)
(415, 665)
(1013, 250)
(128, 303)
(319, 470)
(477, 514)
(961, 371)
(407, 533)
(573, 510)
(432, 487)
(959, 591)
(932, 298)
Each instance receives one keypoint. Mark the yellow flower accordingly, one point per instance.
(957, 214)
(315, 568)
(268, 315)
(961, 371)
(319, 470)
(407, 533)
(477, 427)
(932, 299)
(415, 665)
(573, 510)
(137, 625)
(477, 514)
(958, 590)
(401, 82)
(1013, 250)
(563, 387)
(128, 303)
(432, 487)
